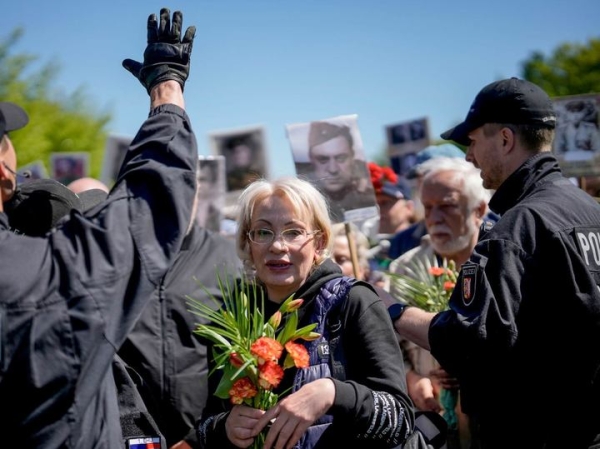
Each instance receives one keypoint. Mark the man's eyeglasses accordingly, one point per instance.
(18, 176)
(289, 236)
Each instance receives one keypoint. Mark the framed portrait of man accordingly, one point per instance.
(577, 139)
(404, 140)
(329, 153)
(244, 150)
(114, 154)
(66, 166)
(211, 192)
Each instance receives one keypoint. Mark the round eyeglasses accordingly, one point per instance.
(289, 236)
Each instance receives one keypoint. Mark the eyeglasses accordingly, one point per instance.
(290, 236)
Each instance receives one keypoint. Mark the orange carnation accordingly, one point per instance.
(298, 353)
(449, 286)
(437, 271)
(242, 389)
(269, 375)
(266, 349)
(236, 360)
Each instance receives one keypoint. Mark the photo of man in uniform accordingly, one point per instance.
(336, 169)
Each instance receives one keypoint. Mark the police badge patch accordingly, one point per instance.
(469, 281)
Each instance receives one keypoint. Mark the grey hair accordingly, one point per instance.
(472, 184)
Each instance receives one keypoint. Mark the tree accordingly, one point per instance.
(571, 69)
(58, 123)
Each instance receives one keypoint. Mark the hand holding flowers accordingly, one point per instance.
(249, 349)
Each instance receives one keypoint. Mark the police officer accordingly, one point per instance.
(69, 298)
(522, 331)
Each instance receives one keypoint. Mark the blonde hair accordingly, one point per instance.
(308, 203)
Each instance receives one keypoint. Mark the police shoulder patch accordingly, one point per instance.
(469, 281)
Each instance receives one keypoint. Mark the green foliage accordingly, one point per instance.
(571, 69)
(58, 122)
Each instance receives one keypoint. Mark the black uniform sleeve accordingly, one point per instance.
(70, 299)
(481, 321)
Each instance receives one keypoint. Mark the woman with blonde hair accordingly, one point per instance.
(355, 393)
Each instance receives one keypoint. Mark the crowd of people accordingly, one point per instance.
(98, 348)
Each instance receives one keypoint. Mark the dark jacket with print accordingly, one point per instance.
(523, 330)
(170, 360)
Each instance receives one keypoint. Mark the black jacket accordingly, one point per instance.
(524, 326)
(162, 348)
(374, 362)
(68, 300)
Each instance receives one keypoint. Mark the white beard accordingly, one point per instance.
(454, 246)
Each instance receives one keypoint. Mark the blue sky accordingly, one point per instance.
(271, 63)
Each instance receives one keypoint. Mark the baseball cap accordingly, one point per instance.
(12, 117)
(38, 205)
(321, 132)
(432, 151)
(511, 100)
(399, 191)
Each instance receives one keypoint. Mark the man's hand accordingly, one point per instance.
(167, 56)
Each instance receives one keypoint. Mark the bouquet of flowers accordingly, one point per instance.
(248, 348)
(428, 285)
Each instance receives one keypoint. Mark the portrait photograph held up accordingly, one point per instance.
(329, 153)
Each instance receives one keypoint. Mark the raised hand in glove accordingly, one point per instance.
(167, 56)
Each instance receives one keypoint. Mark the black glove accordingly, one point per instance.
(166, 57)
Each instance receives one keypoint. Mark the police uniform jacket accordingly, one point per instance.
(68, 300)
(523, 331)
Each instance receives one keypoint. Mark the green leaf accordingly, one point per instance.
(289, 328)
(303, 331)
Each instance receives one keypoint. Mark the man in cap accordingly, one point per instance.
(529, 295)
(69, 298)
(343, 179)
